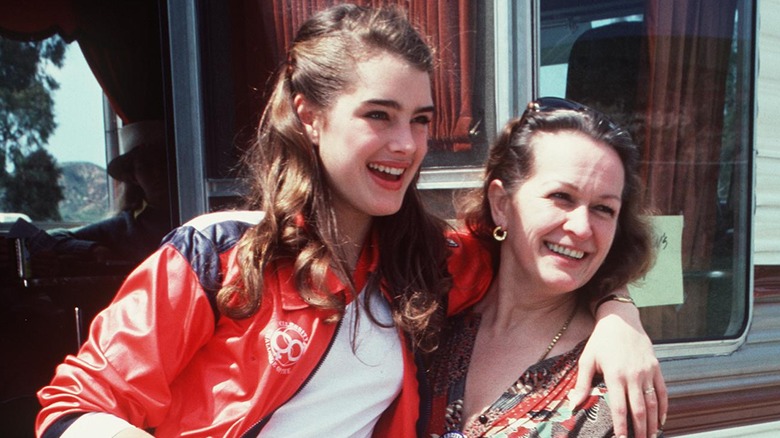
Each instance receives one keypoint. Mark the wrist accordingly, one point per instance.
(620, 298)
(627, 312)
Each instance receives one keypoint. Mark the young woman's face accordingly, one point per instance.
(373, 138)
(562, 220)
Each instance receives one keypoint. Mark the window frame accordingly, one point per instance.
(514, 60)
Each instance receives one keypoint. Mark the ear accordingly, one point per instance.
(308, 114)
(499, 202)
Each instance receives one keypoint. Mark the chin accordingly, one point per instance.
(386, 208)
(380, 212)
(565, 285)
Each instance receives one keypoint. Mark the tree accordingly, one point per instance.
(30, 189)
(27, 112)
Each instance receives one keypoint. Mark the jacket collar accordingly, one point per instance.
(367, 264)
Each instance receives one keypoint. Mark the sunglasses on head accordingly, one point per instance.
(546, 104)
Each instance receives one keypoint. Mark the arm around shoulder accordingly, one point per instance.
(621, 351)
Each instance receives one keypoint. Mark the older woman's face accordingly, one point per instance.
(562, 220)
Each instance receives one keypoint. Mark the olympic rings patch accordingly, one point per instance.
(285, 346)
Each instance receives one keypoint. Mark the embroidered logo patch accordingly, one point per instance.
(285, 346)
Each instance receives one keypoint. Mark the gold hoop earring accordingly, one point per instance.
(499, 233)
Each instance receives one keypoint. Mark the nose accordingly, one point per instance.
(578, 222)
(403, 140)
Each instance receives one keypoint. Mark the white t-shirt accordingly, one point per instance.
(347, 394)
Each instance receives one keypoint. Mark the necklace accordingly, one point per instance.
(454, 411)
(558, 335)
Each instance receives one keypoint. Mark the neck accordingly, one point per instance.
(352, 235)
(508, 307)
(542, 328)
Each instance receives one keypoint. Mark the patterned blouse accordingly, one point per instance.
(535, 406)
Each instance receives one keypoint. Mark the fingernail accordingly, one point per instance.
(622, 436)
(655, 435)
(663, 420)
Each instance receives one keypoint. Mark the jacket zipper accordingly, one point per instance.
(256, 428)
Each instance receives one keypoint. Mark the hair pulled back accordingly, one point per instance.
(511, 161)
(288, 182)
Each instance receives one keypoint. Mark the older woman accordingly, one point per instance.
(559, 207)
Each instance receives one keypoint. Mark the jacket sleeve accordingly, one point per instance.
(136, 347)
(472, 272)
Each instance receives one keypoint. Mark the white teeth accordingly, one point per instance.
(566, 251)
(389, 170)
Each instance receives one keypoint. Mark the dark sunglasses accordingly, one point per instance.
(546, 104)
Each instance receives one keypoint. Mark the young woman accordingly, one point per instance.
(560, 207)
(303, 316)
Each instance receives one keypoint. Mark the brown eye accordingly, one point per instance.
(377, 115)
(611, 212)
(423, 120)
(561, 196)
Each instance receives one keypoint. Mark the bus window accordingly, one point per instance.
(679, 78)
(94, 186)
(54, 146)
(99, 138)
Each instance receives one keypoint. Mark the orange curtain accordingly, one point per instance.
(688, 47)
(450, 29)
(453, 34)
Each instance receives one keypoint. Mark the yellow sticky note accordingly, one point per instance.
(663, 285)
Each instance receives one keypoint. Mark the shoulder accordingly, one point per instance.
(225, 217)
(222, 229)
(203, 240)
(471, 268)
(225, 220)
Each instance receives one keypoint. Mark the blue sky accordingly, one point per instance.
(78, 106)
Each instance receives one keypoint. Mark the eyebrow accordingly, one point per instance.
(618, 198)
(397, 106)
(613, 197)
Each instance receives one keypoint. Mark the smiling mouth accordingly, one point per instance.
(386, 172)
(571, 253)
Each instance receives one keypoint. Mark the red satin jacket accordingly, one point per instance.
(161, 357)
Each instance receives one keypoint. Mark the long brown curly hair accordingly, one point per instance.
(288, 183)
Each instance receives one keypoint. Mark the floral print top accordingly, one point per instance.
(535, 406)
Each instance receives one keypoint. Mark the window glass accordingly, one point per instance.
(83, 214)
(678, 76)
(53, 141)
(79, 142)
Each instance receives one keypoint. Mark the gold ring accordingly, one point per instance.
(649, 390)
